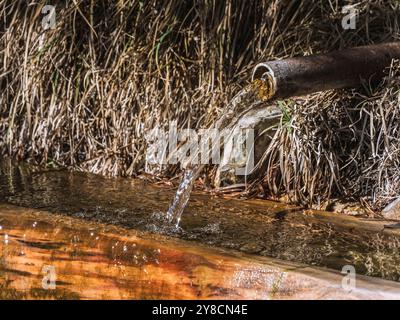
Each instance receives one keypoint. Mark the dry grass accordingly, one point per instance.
(339, 143)
(83, 95)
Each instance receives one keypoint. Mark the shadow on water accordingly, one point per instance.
(256, 227)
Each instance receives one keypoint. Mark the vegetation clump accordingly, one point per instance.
(83, 94)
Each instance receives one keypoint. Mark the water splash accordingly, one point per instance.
(245, 100)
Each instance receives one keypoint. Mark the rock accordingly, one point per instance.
(264, 121)
(344, 207)
(392, 210)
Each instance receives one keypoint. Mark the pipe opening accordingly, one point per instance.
(260, 71)
(263, 81)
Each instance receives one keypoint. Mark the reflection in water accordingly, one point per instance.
(257, 227)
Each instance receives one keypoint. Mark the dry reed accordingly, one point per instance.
(82, 95)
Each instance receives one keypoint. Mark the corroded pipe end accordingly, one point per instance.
(263, 81)
(300, 76)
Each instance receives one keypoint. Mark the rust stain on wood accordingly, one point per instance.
(94, 261)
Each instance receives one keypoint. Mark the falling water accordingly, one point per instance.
(245, 100)
(182, 195)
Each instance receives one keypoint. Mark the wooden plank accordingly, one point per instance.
(94, 261)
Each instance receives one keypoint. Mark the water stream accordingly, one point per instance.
(245, 100)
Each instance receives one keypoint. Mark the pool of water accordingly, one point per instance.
(255, 227)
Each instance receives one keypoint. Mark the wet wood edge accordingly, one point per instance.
(186, 270)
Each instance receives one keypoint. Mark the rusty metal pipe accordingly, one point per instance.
(340, 69)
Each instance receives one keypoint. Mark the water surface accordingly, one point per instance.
(256, 227)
